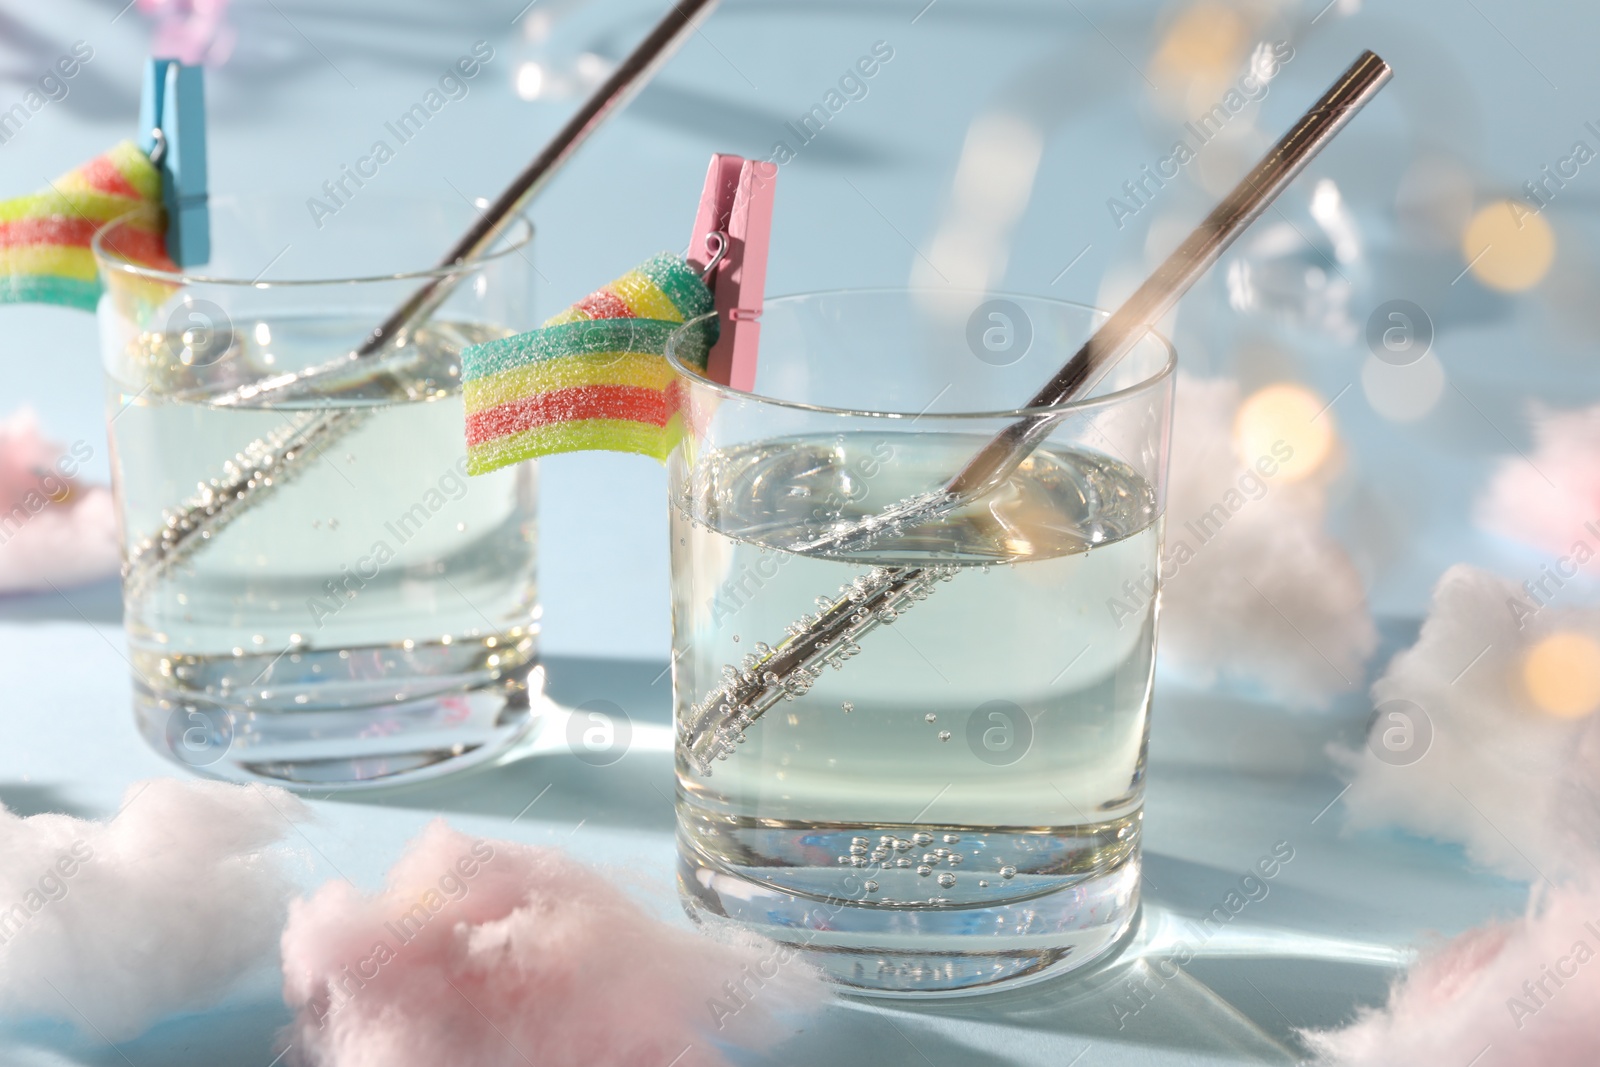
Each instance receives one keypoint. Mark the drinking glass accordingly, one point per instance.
(370, 615)
(956, 803)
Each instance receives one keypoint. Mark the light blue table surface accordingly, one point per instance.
(1501, 88)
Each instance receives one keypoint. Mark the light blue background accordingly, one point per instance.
(1504, 88)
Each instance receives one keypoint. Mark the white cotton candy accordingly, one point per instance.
(1265, 596)
(1518, 994)
(1459, 750)
(486, 953)
(1550, 498)
(113, 925)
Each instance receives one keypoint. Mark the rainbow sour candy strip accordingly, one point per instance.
(592, 377)
(44, 238)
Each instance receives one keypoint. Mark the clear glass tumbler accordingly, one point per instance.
(366, 614)
(955, 803)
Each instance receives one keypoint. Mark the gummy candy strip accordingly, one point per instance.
(44, 238)
(592, 377)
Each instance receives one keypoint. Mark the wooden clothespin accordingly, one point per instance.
(737, 204)
(172, 124)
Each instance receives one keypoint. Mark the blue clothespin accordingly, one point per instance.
(172, 123)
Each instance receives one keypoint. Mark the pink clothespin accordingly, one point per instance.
(737, 204)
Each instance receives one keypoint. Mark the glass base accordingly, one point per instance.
(350, 739)
(1037, 930)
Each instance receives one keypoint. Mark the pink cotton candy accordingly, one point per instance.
(53, 531)
(194, 31)
(1519, 994)
(481, 953)
(1550, 499)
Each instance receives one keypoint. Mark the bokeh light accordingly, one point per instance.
(530, 81)
(1508, 246)
(1199, 54)
(1562, 674)
(1285, 420)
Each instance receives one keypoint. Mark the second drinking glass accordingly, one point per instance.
(370, 615)
(957, 802)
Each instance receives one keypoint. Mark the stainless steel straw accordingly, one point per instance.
(715, 725)
(278, 457)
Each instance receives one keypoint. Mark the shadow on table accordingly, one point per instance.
(97, 602)
(612, 771)
(714, 116)
(243, 1032)
(28, 798)
(1238, 991)
(1243, 995)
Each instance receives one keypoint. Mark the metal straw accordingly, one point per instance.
(715, 725)
(280, 456)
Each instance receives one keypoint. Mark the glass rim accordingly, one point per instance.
(109, 261)
(1169, 365)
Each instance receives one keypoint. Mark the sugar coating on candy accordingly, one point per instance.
(44, 238)
(481, 952)
(111, 926)
(591, 434)
(1461, 750)
(593, 377)
(571, 404)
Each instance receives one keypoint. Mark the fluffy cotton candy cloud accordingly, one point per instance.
(1485, 732)
(1551, 499)
(481, 953)
(1519, 994)
(113, 925)
(52, 529)
(1254, 589)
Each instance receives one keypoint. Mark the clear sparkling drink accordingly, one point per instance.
(959, 802)
(374, 616)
